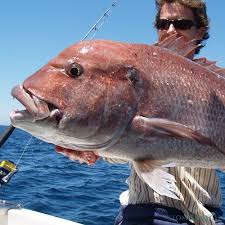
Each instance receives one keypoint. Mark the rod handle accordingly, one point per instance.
(6, 134)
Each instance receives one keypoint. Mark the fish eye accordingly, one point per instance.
(74, 70)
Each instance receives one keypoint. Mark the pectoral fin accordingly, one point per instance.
(160, 181)
(163, 128)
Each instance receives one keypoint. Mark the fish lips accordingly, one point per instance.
(36, 108)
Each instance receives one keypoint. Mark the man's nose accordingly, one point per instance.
(171, 29)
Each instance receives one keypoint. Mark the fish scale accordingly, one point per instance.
(139, 103)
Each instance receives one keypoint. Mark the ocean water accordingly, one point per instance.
(50, 183)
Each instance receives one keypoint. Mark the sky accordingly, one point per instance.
(33, 32)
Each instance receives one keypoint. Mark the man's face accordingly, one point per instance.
(177, 11)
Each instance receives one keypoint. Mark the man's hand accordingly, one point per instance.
(88, 157)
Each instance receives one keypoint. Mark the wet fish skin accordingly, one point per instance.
(56, 86)
(126, 83)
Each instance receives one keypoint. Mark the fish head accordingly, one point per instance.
(82, 99)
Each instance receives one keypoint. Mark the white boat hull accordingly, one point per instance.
(29, 217)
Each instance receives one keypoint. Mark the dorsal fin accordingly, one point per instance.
(178, 44)
(211, 65)
(221, 71)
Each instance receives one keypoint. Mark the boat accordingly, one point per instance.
(15, 214)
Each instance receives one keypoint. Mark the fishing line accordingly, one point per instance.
(12, 168)
(8, 168)
(95, 28)
(24, 150)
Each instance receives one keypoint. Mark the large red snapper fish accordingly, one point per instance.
(144, 104)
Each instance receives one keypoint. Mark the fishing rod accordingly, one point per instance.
(7, 167)
(94, 29)
(6, 134)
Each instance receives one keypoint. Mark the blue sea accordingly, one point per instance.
(48, 182)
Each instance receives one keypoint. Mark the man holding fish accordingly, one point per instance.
(189, 19)
(148, 105)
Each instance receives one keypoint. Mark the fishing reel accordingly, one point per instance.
(7, 170)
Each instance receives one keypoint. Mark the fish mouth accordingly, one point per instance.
(36, 108)
(53, 121)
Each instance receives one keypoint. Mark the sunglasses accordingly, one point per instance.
(182, 24)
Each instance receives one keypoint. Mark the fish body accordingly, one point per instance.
(141, 103)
